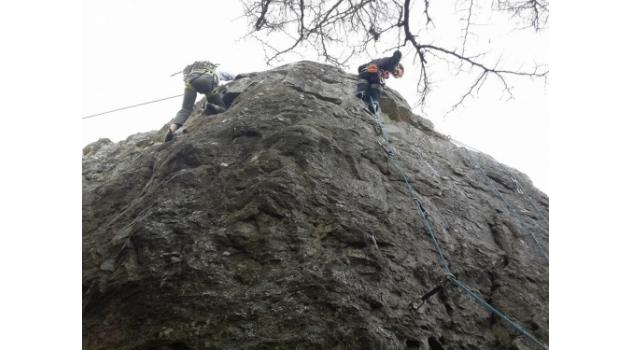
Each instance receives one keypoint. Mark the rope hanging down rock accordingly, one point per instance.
(425, 218)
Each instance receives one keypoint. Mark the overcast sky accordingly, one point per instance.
(589, 182)
(130, 49)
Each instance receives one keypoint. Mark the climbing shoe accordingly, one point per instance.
(169, 136)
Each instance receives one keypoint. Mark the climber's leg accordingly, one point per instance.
(214, 103)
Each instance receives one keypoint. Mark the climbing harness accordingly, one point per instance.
(374, 71)
(425, 218)
(199, 67)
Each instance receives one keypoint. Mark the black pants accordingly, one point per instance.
(203, 84)
(369, 88)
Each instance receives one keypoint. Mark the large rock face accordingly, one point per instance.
(283, 224)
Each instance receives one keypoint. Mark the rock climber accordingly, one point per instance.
(199, 77)
(371, 78)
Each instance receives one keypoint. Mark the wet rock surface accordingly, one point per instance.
(282, 224)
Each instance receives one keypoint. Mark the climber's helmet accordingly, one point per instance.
(399, 71)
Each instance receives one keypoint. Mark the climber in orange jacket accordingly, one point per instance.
(371, 78)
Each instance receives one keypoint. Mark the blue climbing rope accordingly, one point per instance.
(423, 214)
(493, 310)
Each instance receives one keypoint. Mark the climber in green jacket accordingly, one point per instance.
(371, 78)
(199, 77)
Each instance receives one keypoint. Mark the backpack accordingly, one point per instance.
(198, 68)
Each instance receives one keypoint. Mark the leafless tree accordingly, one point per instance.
(338, 30)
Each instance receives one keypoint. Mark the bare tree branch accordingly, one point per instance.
(336, 30)
(467, 26)
(426, 8)
(536, 12)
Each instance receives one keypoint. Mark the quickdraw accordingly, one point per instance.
(415, 305)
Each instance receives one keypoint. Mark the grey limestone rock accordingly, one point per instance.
(282, 224)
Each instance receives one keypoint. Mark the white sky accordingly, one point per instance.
(130, 48)
(41, 161)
